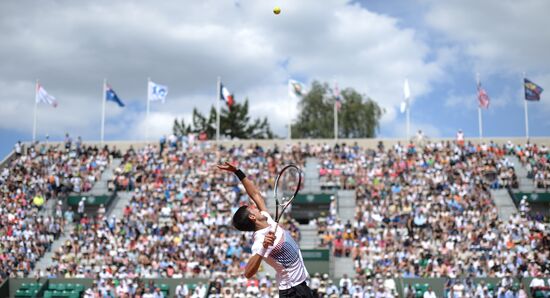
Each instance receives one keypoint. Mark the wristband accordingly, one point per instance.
(240, 175)
(263, 252)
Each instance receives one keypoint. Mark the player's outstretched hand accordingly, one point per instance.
(227, 167)
(269, 239)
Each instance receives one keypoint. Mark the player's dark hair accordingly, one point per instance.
(242, 222)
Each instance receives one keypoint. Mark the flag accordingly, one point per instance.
(338, 99)
(482, 97)
(226, 96)
(43, 96)
(111, 95)
(406, 95)
(156, 92)
(295, 88)
(532, 90)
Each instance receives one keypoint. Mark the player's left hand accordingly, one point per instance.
(269, 239)
(227, 167)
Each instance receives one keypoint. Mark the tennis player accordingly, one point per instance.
(280, 251)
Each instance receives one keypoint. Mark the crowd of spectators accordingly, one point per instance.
(535, 159)
(421, 212)
(321, 285)
(428, 212)
(35, 175)
(177, 223)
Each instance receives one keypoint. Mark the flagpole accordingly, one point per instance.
(526, 119)
(289, 118)
(218, 108)
(335, 122)
(104, 97)
(35, 111)
(479, 119)
(408, 119)
(480, 123)
(147, 114)
(407, 95)
(525, 109)
(289, 121)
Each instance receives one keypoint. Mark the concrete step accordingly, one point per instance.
(311, 173)
(525, 184)
(117, 208)
(343, 265)
(345, 216)
(309, 237)
(504, 203)
(101, 186)
(346, 203)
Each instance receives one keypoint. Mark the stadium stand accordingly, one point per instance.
(37, 175)
(424, 221)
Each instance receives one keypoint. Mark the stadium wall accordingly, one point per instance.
(369, 143)
(7, 159)
(10, 286)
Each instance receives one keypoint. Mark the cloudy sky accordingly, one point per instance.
(370, 45)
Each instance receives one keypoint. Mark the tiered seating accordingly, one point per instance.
(28, 290)
(420, 289)
(165, 289)
(177, 223)
(64, 290)
(27, 183)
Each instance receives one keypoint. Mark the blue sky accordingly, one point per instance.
(371, 46)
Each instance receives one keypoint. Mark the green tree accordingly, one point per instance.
(316, 117)
(179, 128)
(358, 116)
(234, 123)
(260, 129)
(202, 124)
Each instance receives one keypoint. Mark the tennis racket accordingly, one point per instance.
(287, 185)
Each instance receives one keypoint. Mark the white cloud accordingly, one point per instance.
(501, 35)
(186, 45)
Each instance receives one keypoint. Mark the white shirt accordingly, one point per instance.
(429, 294)
(284, 256)
(536, 282)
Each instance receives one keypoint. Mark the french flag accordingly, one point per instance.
(226, 96)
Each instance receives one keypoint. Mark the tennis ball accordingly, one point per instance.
(276, 10)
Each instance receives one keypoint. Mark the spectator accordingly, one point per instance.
(430, 293)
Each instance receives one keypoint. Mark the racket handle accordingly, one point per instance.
(275, 231)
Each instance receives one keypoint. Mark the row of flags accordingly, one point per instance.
(155, 92)
(296, 89)
(532, 93)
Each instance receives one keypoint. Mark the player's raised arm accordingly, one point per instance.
(251, 189)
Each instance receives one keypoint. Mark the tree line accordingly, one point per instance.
(358, 117)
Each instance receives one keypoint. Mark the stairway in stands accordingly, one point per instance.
(525, 184)
(99, 188)
(346, 211)
(502, 198)
(309, 236)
